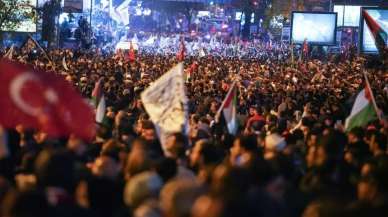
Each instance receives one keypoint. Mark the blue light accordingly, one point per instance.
(147, 12)
(63, 17)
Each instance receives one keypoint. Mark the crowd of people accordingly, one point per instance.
(196, 44)
(291, 157)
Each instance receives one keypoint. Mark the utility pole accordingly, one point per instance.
(90, 15)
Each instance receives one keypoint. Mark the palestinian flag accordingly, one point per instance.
(101, 110)
(9, 53)
(64, 64)
(229, 109)
(97, 93)
(98, 100)
(29, 45)
(363, 110)
(378, 33)
(202, 52)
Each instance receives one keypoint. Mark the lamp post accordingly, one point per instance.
(90, 15)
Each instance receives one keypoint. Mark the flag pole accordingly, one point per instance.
(372, 96)
(37, 44)
(292, 53)
(9, 53)
(218, 114)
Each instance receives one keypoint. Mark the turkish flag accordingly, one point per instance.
(43, 101)
(182, 50)
(131, 55)
(193, 68)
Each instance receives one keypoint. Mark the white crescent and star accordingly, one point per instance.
(15, 90)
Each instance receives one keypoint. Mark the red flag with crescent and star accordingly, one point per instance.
(182, 51)
(131, 54)
(43, 101)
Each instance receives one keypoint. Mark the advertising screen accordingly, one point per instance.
(316, 28)
(348, 15)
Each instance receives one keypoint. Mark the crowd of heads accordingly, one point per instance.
(291, 156)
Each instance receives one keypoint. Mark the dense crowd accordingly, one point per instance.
(291, 157)
(198, 44)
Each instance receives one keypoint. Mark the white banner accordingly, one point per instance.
(166, 102)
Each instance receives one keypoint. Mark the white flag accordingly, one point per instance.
(166, 103)
(202, 52)
(150, 41)
(9, 53)
(64, 64)
(101, 109)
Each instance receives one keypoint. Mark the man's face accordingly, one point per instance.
(170, 142)
(312, 140)
(76, 145)
(213, 107)
(138, 127)
(138, 104)
(192, 120)
(252, 111)
(352, 138)
(149, 134)
(40, 137)
(105, 167)
(366, 169)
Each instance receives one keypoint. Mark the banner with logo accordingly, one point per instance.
(166, 102)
